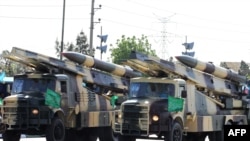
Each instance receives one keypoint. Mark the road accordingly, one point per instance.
(43, 139)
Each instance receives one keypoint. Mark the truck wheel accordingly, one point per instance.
(175, 134)
(55, 131)
(125, 138)
(107, 134)
(11, 136)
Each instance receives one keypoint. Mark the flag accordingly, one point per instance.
(113, 100)
(175, 104)
(52, 98)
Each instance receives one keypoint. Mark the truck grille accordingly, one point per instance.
(135, 120)
(21, 117)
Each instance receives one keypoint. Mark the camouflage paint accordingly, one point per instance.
(211, 69)
(89, 61)
(82, 107)
(211, 92)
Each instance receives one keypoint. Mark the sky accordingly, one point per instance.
(219, 28)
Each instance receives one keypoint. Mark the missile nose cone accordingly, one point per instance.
(187, 60)
(64, 54)
(75, 56)
(67, 55)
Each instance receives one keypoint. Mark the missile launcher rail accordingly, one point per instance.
(48, 64)
(153, 66)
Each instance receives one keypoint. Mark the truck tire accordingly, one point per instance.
(175, 134)
(11, 135)
(126, 138)
(107, 134)
(55, 131)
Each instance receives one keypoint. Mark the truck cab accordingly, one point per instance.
(57, 106)
(149, 110)
(36, 101)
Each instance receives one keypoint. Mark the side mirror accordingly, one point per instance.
(183, 94)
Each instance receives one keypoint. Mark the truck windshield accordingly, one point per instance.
(146, 89)
(32, 84)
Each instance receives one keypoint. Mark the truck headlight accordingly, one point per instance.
(35, 111)
(155, 118)
(119, 115)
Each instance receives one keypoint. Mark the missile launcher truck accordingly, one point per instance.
(60, 100)
(187, 101)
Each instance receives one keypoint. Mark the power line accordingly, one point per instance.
(42, 18)
(191, 16)
(125, 11)
(181, 23)
(130, 25)
(42, 6)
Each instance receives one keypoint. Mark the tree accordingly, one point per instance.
(68, 47)
(244, 69)
(10, 67)
(126, 44)
(81, 45)
(224, 65)
(57, 48)
(4, 63)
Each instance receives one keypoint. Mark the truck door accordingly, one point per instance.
(64, 96)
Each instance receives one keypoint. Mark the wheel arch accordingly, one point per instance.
(59, 113)
(179, 120)
(234, 119)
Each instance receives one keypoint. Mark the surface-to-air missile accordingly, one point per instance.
(211, 68)
(89, 61)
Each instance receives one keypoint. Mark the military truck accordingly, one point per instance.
(186, 100)
(60, 100)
